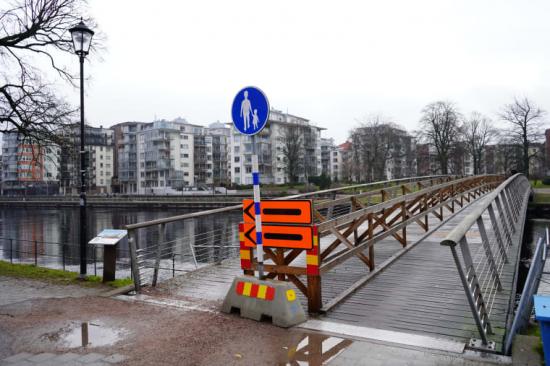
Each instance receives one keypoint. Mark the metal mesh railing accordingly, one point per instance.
(485, 238)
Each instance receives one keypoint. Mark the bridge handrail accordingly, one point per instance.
(363, 185)
(453, 238)
(354, 215)
(480, 273)
(167, 220)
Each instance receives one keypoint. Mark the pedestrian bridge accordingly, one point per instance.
(434, 256)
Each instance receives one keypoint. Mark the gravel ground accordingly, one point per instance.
(151, 335)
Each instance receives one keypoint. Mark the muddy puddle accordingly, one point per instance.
(312, 349)
(86, 334)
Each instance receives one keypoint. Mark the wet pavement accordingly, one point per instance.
(43, 359)
(151, 330)
(14, 290)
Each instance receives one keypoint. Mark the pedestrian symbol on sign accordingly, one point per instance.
(250, 103)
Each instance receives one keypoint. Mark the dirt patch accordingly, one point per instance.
(152, 334)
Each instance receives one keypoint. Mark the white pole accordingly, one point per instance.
(257, 209)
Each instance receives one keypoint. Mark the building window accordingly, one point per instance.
(237, 170)
(185, 137)
(237, 159)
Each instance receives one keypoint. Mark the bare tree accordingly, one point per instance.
(375, 142)
(439, 126)
(33, 31)
(292, 151)
(477, 132)
(525, 119)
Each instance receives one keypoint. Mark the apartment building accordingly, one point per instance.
(28, 168)
(271, 145)
(327, 148)
(341, 163)
(125, 160)
(165, 157)
(217, 150)
(99, 147)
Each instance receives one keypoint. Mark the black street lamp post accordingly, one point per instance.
(82, 38)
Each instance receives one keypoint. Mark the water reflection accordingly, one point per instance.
(91, 334)
(313, 349)
(43, 231)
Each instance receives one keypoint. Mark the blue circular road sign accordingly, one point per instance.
(250, 110)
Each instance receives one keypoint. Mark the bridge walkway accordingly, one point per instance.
(422, 293)
(419, 293)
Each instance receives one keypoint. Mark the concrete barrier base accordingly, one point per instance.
(256, 298)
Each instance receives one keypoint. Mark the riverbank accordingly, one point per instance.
(187, 202)
(56, 276)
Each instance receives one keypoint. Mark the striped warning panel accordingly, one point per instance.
(312, 255)
(246, 260)
(250, 289)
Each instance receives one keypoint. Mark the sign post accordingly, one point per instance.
(250, 111)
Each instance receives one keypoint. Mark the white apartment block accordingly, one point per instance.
(52, 164)
(101, 166)
(270, 146)
(165, 157)
(340, 163)
(217, 150)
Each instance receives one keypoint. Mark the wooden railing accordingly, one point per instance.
(356, 222)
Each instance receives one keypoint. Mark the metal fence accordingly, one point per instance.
(64, 256)
(525, 306)
(480, 263)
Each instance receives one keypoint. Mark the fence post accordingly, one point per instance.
(471, 288)
(11, 250)
(95, 259)
(193, 253)
(133, 259)
(63, 255)
(313, 260)
(35, 253)
(162, 235)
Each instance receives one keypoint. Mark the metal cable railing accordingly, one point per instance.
(485, 238)
(55, 255)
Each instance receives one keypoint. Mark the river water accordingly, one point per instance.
(52, 235)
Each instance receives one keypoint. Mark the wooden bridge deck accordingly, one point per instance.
(422, 293)
(419, 293)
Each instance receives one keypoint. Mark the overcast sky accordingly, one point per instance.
(333, 62)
